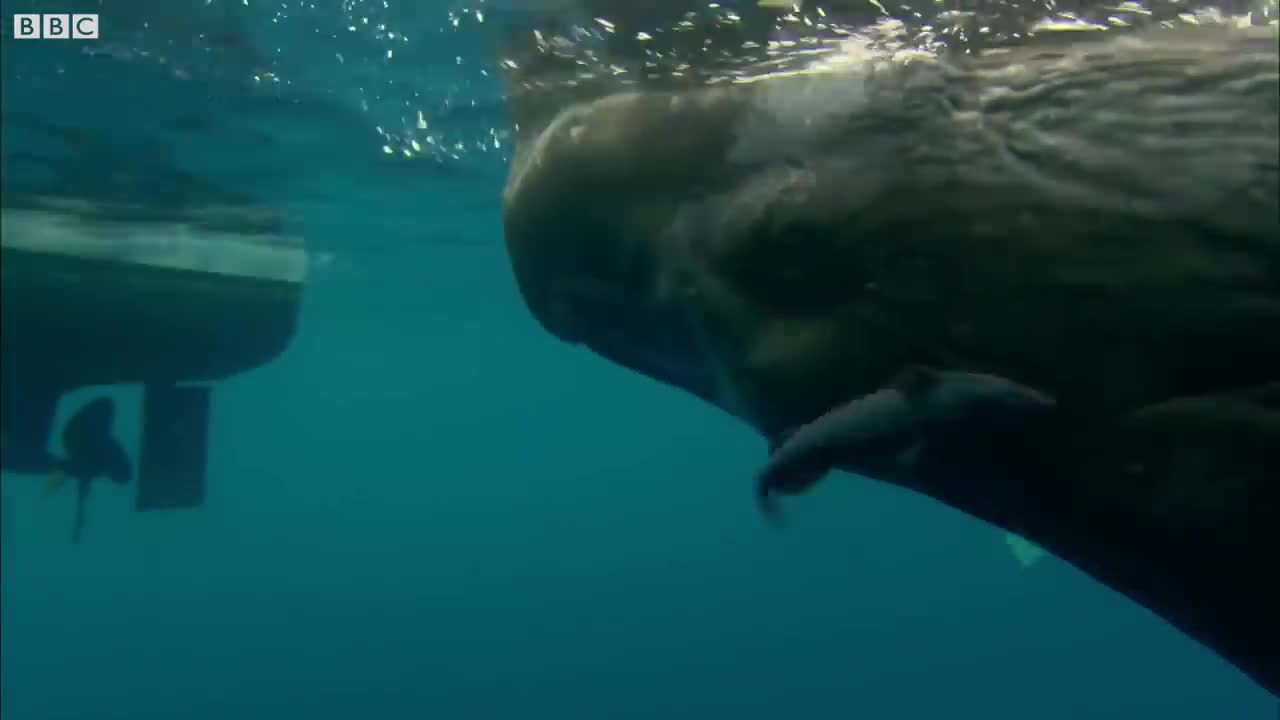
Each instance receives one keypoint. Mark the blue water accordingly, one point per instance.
(429, 508)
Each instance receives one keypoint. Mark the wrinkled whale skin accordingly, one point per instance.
(1098, 221)
(1122, 195)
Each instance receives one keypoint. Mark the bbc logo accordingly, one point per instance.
(55, 27)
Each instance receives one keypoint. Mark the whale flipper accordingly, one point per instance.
(875, 428)
(924, 421)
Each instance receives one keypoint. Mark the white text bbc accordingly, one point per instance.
(51, 26)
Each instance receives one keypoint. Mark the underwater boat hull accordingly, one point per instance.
(96, 294)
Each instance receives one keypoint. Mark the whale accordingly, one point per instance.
(1095, 221)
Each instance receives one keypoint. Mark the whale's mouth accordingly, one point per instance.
(620, 322)
(667, 366)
